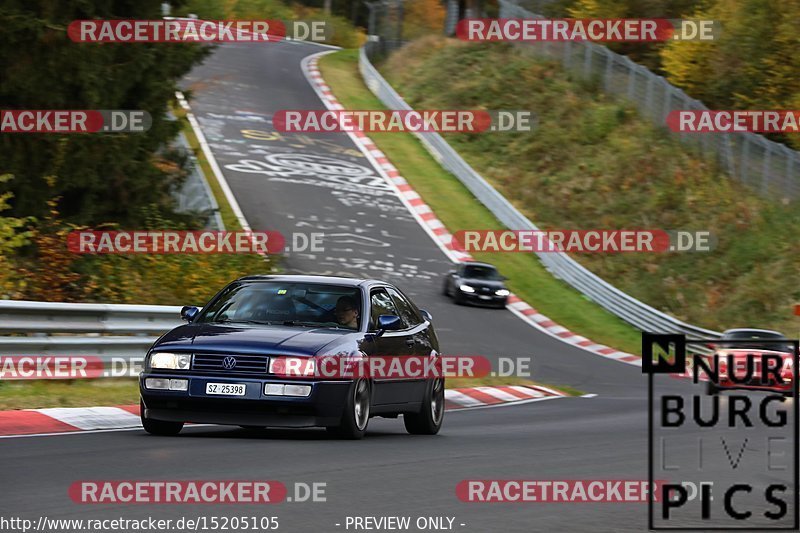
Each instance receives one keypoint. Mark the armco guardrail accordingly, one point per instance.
(19, 316)
(106, 331)
(560, 265)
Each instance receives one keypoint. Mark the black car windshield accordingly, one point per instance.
(746, 335)
(482, 272)
(291, 304)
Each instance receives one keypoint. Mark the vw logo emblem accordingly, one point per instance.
(229, 363)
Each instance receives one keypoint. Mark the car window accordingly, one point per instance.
(380, 304)
(481, 272)
(301, 304)
(409, 315)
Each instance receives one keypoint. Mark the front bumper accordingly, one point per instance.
(323, 407)
(483, 299)
(757, 384)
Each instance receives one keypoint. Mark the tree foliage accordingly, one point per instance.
(754, 63)
(343, 32)
(645, 53)
(423, 17)
(13, 236)
(102, 177)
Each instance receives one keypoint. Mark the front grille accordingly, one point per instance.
(485, 290)
(245, 364)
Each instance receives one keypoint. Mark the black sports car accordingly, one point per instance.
(476, 283)
(252, 357)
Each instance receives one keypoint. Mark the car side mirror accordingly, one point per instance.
(426, 315)
(388, 323)
(189, 313)
(503, 278)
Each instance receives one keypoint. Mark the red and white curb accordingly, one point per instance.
(439, 233)
(68, 420)
(473, 397)
(61, 420)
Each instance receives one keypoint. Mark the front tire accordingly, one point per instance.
(355, 417)
(159, 427)
(430, 418)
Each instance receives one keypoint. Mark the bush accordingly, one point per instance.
(12, 238)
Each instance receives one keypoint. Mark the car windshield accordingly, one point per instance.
(756, 336)
(290, 304)
(482, 272)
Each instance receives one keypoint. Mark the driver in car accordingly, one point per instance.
(346, 312)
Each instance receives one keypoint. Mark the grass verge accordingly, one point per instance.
(39, 394)
(458, 209)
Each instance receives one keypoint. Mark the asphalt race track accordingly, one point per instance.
(291, 183)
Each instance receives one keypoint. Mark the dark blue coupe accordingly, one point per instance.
(248, 359)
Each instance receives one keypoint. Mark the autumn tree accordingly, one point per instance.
(102, 177)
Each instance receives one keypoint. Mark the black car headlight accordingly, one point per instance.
(502, 292)
(170, 361)
(466, 288)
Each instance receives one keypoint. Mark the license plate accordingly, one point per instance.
(484, 297)
(225, 389)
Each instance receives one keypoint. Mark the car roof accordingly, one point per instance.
(334, 280)
(753, 330)
(478, 263)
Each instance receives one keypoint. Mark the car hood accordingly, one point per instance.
(227, 338)
(479, 283)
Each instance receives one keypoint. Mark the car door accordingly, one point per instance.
(421, 345)
(387, 390)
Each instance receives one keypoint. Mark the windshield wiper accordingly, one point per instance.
(312, 324)
(258, 322)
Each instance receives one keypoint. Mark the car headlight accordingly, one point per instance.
(293, 366)
(502, 292)
(170, 361)
(466, 288)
